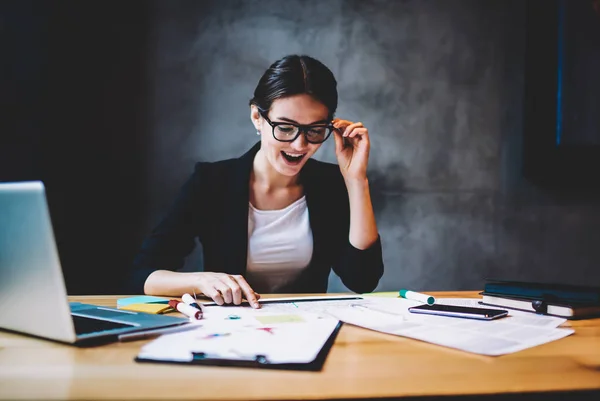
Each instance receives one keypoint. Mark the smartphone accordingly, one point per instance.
(459, 311)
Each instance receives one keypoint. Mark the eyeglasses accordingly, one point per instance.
(288, 132)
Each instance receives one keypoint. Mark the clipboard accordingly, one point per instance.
(257, 360)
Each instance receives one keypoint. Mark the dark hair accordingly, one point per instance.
(295, 75)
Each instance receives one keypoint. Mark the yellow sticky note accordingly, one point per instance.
(391, 294)
(279, 319)
(147, 308)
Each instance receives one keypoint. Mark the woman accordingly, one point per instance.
(274, 220)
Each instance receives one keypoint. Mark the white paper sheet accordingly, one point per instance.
(244, 339)
(496, 337)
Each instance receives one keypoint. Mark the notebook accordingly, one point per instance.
(568, 301)
(30, 264)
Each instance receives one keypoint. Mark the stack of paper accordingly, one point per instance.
(518, 331)
(289, 332)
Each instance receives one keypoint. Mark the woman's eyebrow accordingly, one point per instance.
(289, 120)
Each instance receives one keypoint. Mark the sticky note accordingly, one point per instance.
(391, 294)
(143, 299)
(147, 308)
(270, 319)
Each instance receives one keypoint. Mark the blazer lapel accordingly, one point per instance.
(235, 229)
(316, 210)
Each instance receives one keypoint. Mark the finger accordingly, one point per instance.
(358, 131)
(224, 290)
(236, 291)
(211, 292)
(351, 127)
(339, 141)
(249, 293)
(340, 124)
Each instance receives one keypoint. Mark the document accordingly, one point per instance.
(238, 337)
(496, 337)
(294, 332)
(518, 331)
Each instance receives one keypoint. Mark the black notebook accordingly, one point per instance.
(568, 301)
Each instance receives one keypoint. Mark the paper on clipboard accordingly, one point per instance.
(301, 345)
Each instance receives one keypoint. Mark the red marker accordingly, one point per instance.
(186, 309)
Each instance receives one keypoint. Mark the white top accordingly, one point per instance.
(280, 246)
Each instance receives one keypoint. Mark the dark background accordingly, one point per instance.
(111, 103)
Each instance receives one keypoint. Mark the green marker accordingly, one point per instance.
(417, 296)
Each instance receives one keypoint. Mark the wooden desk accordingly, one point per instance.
(361, 364)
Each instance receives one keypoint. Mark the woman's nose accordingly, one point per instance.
(300, 142)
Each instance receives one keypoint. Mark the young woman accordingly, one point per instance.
(274, 220)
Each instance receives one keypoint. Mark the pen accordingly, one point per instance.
(188, 299)
(140, 335)
(186, 309)
(417, 296)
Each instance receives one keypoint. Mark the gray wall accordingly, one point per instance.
(440, 86)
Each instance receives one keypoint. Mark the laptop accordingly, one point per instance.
(32, 289)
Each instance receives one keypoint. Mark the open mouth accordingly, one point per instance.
(293, 158)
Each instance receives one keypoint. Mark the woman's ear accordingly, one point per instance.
(255, 116)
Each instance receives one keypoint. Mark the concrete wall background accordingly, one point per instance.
(112, 107)
(440, 86)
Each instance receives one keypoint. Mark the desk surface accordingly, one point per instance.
(362, 363)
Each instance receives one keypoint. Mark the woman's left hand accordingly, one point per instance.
(351, 148)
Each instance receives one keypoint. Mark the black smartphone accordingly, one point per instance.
(459, 311)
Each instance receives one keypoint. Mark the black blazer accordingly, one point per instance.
(213, 206)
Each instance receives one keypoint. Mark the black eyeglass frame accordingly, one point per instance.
(301, 129)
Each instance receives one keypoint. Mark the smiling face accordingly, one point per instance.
(288, 158)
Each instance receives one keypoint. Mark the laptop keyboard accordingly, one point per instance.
(86, 325)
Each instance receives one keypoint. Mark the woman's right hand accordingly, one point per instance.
(226, 288)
